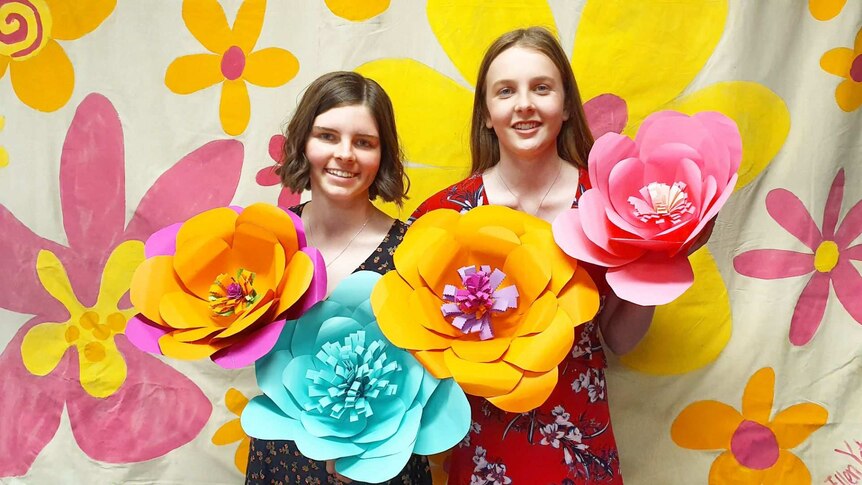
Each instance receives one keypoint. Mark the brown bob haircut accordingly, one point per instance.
(335, 90)
(575, 139)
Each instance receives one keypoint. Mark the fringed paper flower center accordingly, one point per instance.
(661, 203)
(481, 295)
(351, 377)
(230, 295)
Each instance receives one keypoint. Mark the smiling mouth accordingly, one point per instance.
(526, 125)
(340, 173)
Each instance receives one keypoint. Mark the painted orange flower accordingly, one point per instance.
(42, 74)
(847, 63)
(755, 446)
(231, 432)
(4, 155)
(486, 298)
(233, 61)
(825, 9)
(357, 11)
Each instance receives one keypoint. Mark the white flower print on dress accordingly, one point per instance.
(486, 473)
(593, 381)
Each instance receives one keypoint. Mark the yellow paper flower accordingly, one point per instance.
(233, 61)
(42, 74)
(488, 299)
(755, 446)
(825, 9)
(90, 330)
(4, 155)
(847, 63)
(231, 432)
(217, 285)
(357, 11)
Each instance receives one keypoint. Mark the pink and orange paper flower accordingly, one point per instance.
(650, 199)
(220, 284)
(488, 299)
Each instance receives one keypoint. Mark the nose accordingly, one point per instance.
(344, 151)
(523, 102)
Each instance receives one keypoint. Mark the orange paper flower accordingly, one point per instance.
(756, 447)
(217, 285)
(441, 302)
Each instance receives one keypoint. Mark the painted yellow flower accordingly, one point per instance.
(233, 61)
(357, 11)
(825, 9)
(4, 155)
(231, 432)
(647, 65)
(846, 63)
(90, 330)
(755, 446)
(41, 72)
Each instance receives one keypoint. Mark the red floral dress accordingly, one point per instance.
(569, 439)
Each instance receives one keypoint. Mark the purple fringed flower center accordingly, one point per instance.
(662, 204)
(471, 306)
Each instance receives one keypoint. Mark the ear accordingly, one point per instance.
(488, 123)
(565, 115)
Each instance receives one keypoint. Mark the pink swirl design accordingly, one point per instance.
(21, 28)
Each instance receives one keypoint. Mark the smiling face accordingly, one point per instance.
(343, 151)
(525, 98)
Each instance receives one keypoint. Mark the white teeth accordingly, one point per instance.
(526, 125)
(340, 173)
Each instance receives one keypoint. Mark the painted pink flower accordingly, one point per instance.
(829, 257)
(266, 177)
(73, 353)
(650, 199)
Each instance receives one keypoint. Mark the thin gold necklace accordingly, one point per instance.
(348, 242)
(518, 199)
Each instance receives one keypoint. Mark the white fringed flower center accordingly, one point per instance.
(661, 203)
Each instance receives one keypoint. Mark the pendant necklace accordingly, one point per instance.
(518, 199)
(348, 242)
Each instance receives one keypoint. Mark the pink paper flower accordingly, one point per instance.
(73, 353)
(650, 199)
(829, 257)
(266, 177)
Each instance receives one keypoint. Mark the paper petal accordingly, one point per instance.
(445, 419)
(652, 281)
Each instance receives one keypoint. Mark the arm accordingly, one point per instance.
(623, 324)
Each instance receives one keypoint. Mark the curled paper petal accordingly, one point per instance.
(503, 290)
(650, 200)
(335, 385)
(220, 284)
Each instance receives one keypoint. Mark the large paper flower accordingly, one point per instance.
(42, 74)
(338, 388)
(217, 285)
(72, 358)
(232, 62)
(488, 299)
(756, 448)
(846, 63)
(650, 198)
(829, 257)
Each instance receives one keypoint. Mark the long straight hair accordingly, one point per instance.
(574, 140)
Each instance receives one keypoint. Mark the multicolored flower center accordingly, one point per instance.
(230, 295)
(856, 69)
(350, 377)
(661, 203)
(754, 446)
(826, 256)
(233, 62)
(89, 342)
(25, 28)
(472, 305)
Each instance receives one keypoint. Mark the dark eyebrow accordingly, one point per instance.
(331, 130)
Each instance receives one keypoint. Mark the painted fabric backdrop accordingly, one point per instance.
(120, 117)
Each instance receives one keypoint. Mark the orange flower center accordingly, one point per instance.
(233, 63)
(754, 446)
(856, 69)
(826, 256)
(232, 294)
(89, 341)
(25, 28)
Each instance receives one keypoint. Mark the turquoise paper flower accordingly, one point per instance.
(337, 387)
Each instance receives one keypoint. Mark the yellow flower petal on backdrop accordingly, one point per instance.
(232, 432)
(74, 19)
(357, 11)
(838, 61)
(90, 330)
(45, 81)
(825, 9)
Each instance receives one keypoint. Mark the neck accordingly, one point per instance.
(528, 175)
(336, 219)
